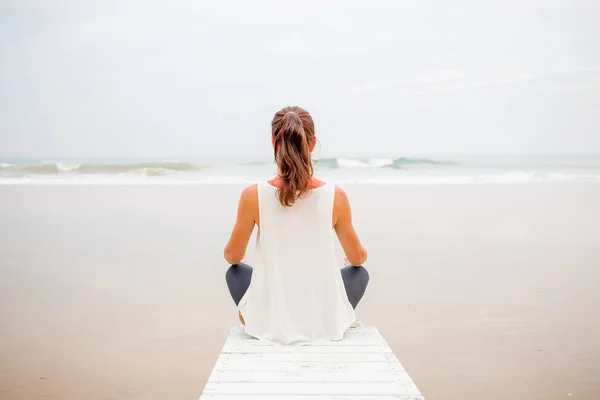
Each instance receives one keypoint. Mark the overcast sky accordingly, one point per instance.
(103, 78)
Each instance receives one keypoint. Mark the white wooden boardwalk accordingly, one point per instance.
(360, 366)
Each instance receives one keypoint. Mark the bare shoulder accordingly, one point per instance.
(250, 194)
(250, 191)
(248, 206)
(341, 205)
(340, 197)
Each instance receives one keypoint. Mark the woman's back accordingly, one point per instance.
(296, 294)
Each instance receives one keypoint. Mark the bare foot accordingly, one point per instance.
(356, 324)
(241, 318)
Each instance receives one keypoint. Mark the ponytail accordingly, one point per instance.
(293, 130)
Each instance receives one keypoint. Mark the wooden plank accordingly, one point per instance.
(309, 375)
(248, 348)
(311, 389)
(342, 358)
(323, 366)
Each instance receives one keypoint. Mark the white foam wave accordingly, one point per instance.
(145, 172)
(367, 163)
(63, 167)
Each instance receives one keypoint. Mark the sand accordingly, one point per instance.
(117, 292)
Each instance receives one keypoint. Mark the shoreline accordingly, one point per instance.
(467, 181)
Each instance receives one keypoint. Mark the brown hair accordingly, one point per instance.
(293, 130)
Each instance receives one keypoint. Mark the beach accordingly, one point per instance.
(117, 291)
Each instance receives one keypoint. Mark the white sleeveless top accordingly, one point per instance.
(296, 295)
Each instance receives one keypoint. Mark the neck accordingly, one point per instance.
(314, 182)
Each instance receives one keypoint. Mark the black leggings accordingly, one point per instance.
(355, 279)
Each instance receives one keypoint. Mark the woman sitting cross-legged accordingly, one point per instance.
(296, 292)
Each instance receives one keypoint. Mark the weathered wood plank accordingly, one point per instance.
(343, 358)
(323, 366)
(308, 375)
(312, 388)
(248, 348)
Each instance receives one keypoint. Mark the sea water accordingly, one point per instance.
(383, 170)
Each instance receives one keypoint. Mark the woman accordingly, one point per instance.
(296, 293)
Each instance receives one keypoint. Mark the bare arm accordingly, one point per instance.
(342, 223)
(247, 217)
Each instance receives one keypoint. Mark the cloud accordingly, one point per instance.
(437, 81)
(155, 77)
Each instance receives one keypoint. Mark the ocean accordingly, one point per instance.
(379, 170)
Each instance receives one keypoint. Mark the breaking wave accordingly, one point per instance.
(397, 163)
(55, 167)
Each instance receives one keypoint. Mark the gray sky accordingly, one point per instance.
(388, 78)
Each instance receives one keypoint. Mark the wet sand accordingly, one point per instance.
(117, 292)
